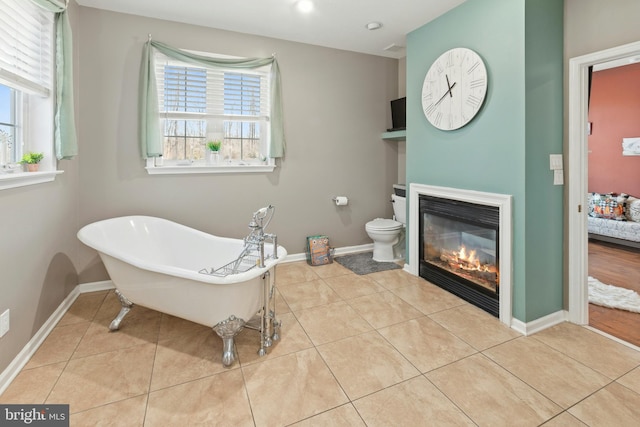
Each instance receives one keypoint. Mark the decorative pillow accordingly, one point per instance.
(633, 209)
(608, 206)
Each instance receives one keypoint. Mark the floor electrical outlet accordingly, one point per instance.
(4, 322)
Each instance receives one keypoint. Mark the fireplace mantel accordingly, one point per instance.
(501, 201)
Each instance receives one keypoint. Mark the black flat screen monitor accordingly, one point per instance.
(398, 114)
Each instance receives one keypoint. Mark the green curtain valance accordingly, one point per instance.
(65, 138)
(150, 132)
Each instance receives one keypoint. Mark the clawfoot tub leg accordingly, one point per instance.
(126, 307)
(227, 330)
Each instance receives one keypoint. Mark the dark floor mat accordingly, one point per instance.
(363, 263)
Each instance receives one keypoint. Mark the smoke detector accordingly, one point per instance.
(371, 26)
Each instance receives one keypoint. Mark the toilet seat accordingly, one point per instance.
(381, 224)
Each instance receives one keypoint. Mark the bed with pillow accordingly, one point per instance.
(614, 218)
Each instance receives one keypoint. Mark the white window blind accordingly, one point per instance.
(187, 90)
(26, 46)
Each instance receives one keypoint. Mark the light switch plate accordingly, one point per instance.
(555, 162)
(558, 177)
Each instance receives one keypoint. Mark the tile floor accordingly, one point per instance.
(385, 349)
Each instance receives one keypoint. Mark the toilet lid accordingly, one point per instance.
(384, 224)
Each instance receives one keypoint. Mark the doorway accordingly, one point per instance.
(577, 185)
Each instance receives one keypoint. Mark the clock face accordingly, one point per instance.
(454, 89)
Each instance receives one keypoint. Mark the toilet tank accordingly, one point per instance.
(399, 208)
(399, 202)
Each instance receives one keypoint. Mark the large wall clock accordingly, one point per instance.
(454, 89)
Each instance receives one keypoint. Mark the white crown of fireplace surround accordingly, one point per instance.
(501, 201)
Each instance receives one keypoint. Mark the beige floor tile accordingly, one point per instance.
(343, 416)
(291, 388)
(84, 308)
(525, 381)
(140, 326)
(186, 358)
(281, 305)
(475, 384)
(631, 380)
(308, 294)
(59, 345)
(352, 286)
(594, 350)
(288, 273)
(331, 270)
(394, 279)
(426, 344)
(110, 307)
(175, 327)
(476, 327)
(614, 405)
(412, 403)
(366, 363)
(332, 322)
(427, 297)
(125, 413)
(555, 375)
(104, 378)
(384, 309)
(292, 338)
(564, 419)
(219, 400)
(32, 385)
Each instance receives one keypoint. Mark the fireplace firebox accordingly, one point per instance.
(459, 249)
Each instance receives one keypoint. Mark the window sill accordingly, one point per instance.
(222, 168)
(22, 179)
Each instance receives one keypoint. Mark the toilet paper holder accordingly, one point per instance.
(340, 200)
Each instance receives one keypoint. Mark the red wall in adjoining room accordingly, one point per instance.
(614, 113)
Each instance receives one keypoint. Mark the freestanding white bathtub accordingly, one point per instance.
(159, 264)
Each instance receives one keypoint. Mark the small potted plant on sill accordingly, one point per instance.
(32, 161)
(213, 152)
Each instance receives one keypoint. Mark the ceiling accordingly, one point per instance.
(339, 24)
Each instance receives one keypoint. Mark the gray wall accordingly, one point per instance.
(38, 249)
(594, 25)
(336, 105)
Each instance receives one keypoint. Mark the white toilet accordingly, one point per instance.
(388, 234)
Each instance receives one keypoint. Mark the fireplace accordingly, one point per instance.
(460, 240)
(459, 249)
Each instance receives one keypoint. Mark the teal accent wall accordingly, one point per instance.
(505, 148)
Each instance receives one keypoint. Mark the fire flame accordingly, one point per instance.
(469, 262)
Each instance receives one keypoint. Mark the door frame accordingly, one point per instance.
(578, 153)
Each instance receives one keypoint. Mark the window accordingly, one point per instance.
(10, 102)
(199, 104)
(26, 88)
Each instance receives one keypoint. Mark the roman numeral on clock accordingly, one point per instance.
(474, 101)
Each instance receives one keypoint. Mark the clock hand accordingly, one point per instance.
(449, 86)
(445, 94)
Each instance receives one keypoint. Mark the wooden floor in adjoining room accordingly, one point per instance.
(619, 266)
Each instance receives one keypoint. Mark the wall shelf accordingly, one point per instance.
(398, 135)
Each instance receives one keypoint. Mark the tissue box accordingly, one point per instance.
(318, 250)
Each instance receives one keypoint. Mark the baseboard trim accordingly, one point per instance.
(337, 251)
(540, 324)
(19, 362)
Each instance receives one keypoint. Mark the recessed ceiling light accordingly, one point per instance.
(373, 26)
(304, 6)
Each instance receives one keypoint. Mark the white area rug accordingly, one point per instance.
(613, 296)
